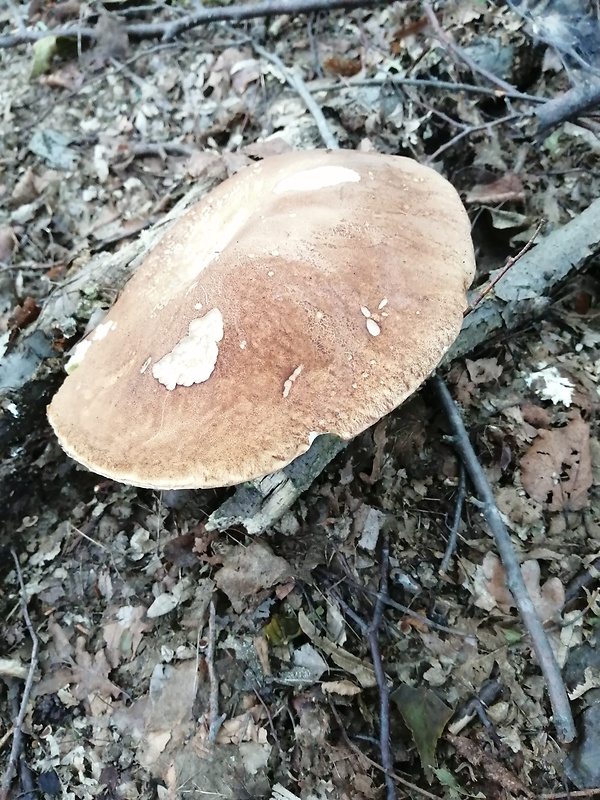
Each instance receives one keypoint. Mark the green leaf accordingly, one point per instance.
(426, 716)
(512, 636)
(44, 51)
(447, 779)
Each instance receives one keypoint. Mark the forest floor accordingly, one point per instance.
(176, 663)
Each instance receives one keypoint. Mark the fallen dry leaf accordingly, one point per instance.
(68, 77)
(557, 470)
(23, 315)
(124, 636)
(493, 768)
(489, 585)
(8, 244)
(87, 675)
(491, 592)
(249, 573)
(206, 163)
(272, 146)
(338, 65)
(362, 671)
(484, 370)
(505, 189)
(344, 688)
(548, 598)
(535, 415)
(168, 717)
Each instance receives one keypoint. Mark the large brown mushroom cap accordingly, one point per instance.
(310, 293)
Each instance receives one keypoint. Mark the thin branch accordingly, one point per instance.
(563, 718)
(357, 751)
(508, 266)
(17, 15)
(387, 761)
(166, 31)
(451, 45)
(18, 729)
(581, 581)
(461, 494)
(484, 126)
(571, 795)
(296, 82)
(426, 83)
(160, 149)
(408, 612)
(214, 720)
(371, 632)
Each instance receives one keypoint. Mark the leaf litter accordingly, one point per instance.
(120, 584)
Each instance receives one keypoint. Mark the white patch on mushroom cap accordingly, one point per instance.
(102, 329)
(373, 327)
(81, 348)
(193, 359)
(77, 356)
(309, 180)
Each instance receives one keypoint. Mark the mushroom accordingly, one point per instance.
(310, 293)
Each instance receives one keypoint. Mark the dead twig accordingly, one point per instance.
(475, 707)
(4, 739)
(371, 631)
(563, 718)
(387, 601)
(426, 83)
(214, 720)
(160, 149)
(357, 751)
(461, 493)
(484, 126)
(17, 742)
(166, 31)
(588, 577)
(569, 795)
(298, 85)
(508, 266)
(384, 692)
(451, 45)
(17, 15)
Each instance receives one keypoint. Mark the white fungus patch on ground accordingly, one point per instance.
(550, 384)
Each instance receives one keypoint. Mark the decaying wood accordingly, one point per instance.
(31, 371)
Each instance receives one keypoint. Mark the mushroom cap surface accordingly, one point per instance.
(310, 293)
